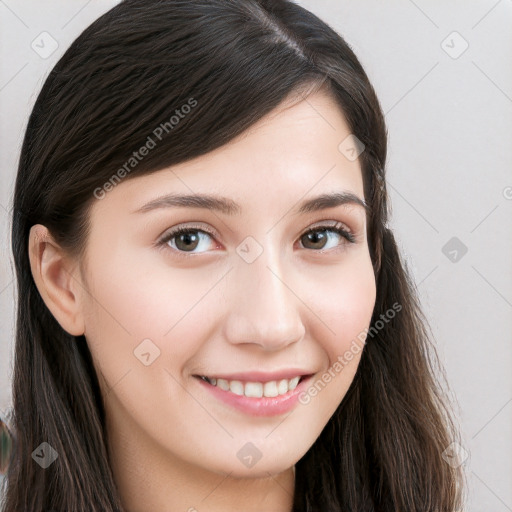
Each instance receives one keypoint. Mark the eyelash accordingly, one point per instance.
(344, 233)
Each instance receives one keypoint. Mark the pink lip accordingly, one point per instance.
(264, 406)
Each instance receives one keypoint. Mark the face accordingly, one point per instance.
(245, 296)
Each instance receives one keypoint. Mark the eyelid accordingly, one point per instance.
(198, 227)
(337, 226)
(329, 223)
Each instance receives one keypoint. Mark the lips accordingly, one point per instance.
(257, 398)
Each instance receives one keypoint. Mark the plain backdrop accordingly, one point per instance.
(443, 73)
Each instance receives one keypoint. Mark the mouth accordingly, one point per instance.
(259, 396)
(255, 389)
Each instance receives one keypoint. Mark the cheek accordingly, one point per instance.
(130, 301)
(343, 300)
(345, 305)
(354, 305)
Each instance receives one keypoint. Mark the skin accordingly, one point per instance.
(174, 446)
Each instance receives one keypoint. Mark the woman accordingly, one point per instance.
(213, 314)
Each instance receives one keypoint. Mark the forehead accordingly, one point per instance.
(293, 152)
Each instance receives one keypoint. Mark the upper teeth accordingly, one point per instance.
(255, 389)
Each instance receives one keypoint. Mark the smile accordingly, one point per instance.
(266, 398)
(269, 389)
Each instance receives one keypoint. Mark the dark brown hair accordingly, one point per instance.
(122, 77)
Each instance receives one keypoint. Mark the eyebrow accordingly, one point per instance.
(230, 207)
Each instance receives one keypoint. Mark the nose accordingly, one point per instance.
(264, 309)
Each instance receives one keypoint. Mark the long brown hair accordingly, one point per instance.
(123, 76)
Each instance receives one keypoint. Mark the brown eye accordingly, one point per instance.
(186, 240)
(317, 238)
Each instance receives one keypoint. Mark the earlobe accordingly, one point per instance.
(53, 274)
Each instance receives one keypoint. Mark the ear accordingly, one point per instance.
(53, 274)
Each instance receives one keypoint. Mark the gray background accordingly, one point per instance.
(449, 116)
